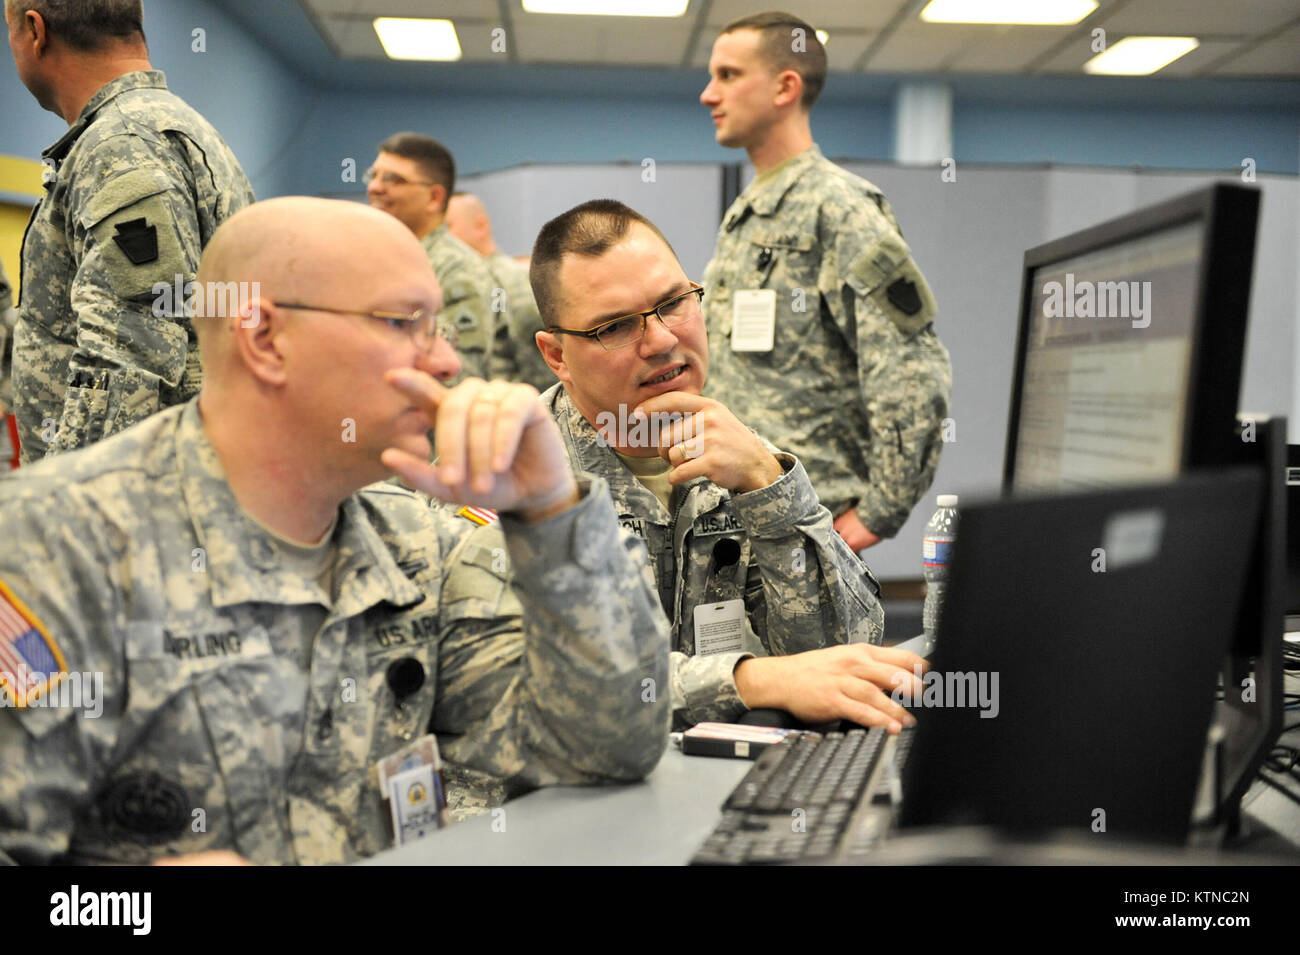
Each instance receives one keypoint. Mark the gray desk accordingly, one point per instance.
(663, 820)
(660, 821)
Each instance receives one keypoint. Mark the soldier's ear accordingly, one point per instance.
(789, 88)
(438, 198)
(259, 331)
(553, 352)
(33, 31)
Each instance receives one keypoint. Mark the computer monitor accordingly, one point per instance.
(1128, 370)
(1128, 361)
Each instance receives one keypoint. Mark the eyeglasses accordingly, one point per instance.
(392, 178)
(630, 329)
(423, 326)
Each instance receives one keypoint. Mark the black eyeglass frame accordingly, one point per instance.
(594, 333)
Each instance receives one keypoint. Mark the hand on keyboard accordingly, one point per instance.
(852, 682)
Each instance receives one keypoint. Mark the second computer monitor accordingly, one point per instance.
(1128, 361)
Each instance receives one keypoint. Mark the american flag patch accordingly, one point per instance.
(479, 515)
(31, 663)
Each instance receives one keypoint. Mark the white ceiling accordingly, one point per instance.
(1253, 38)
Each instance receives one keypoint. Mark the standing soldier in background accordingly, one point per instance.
(412, 180)
(7, 318)
(134, 190)
(820, 323)
(514, 355)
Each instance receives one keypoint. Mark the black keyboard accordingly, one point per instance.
(796, 802)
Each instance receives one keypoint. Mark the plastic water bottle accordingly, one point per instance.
(936, 554)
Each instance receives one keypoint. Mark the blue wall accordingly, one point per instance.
(255, 103)
(1128, 135)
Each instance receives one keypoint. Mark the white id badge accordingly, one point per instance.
(720, 627)
(413, 801)
(753, 319)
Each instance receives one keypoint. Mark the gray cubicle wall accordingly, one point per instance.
(683, 199)
(969, 237)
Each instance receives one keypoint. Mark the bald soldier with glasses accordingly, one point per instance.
(768, 607)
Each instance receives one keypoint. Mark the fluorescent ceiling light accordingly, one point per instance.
(407, 38)
(606, 8)
(1140, 55)
(1029, 12)
(823, 36)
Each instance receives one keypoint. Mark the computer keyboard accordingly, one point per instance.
(798, 802)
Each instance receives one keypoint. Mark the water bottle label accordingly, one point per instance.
(935, 553)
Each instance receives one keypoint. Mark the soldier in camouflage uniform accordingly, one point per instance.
(515, 355)
(851, 377)
(725, 516)
(413, 179)
(267, 628)
(134, 190)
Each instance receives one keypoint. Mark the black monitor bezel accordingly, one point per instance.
(1230, 215)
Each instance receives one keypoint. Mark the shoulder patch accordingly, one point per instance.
(481, 516)
(138, 241)
(904, 295)
(31, 663)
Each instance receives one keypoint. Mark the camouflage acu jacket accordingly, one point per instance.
(135, 190)
(774, 548)
(245, 705)
(515, 355)
(466, 298)
(857, 382)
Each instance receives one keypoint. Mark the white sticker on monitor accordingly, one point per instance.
(1133, 537)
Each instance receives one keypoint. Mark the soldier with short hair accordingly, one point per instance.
(820, 322)
(134, 191)
(412, 179)
(267, 623)
(768, 607)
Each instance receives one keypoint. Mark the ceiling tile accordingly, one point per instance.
(1006, 49)
(1277, 57)
(1195, 17)
(918, 47)
(611, 40)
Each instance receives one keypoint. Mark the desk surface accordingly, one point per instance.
(663, 820)
(660, 821)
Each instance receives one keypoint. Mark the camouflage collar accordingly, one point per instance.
(586, 450)
(767, 199)
(140, 79)
(588, 453)
(434, 237)
(243, 561)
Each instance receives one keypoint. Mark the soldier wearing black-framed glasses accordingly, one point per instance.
(630, 329)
